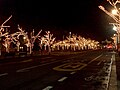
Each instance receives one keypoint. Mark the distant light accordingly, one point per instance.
(114, 12)
(76, 44)
(21, 47)
(24, 38)
(114, 35)
(115, 28)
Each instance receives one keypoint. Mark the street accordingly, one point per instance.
(78, 71)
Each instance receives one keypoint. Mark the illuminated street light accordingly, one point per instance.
(115, 15)
(115, 12)
(24, 37)
(114, 28)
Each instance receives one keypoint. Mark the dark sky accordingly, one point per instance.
(81, 17)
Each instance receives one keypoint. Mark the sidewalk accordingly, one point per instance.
(117, 62)
(113, 76)
(114, 83)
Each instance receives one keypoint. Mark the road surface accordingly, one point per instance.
(78, 71)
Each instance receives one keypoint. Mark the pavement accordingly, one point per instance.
(114, 82)
(117, 62)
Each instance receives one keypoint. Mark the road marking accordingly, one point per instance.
(3, 74)
(100, 62)
(57, 68)
(48, 88)
(62, 79)
(73, 66)
(24, 69)
(72, 72)
(95, 59)
(29, 60)
(70, 66)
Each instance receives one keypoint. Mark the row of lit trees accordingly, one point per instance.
(3, 33)
(27, 40)
(75, 42)
(47, 41)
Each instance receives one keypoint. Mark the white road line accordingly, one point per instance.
(48, 88)
(95, 59)
(100, 62)
(72, 72)
(29, 60)
(22, 70)
(3, 74)
(62, 79)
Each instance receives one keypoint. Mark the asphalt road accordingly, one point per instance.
(78, 71)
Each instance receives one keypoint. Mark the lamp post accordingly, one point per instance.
(115, 37)
(116, 27)
(116, 17)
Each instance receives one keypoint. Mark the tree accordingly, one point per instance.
(48, 40)
(33, 39)
(3, 33)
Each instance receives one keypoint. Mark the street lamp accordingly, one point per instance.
(114, 28)
(24, 37)
(114, 11)
(116, 16)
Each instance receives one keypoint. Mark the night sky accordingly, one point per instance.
(81, 17)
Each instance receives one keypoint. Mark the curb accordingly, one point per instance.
(113, 76)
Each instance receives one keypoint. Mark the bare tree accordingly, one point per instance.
(48, 40)
(3, 32)
(33, 39)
